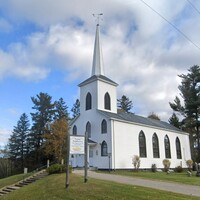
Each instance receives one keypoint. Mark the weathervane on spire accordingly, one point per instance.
(98, 17)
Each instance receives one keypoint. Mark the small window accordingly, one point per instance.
(104, 126)
(104, 149)
(142, 145)
(90, 153)
(74, 132)
(155, 144)
(88, 129)
(178, 148)
(88, 105)
(107, 101)
(167, 147)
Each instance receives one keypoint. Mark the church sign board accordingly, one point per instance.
(77, 144)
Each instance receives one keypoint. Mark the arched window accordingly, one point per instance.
(88, 129)
(74, 130)
(155, 144)
(167, 147)
(142, 144)
(178, 148)
(104, 126)
(88, 105)
(107, 101)
(104, 149)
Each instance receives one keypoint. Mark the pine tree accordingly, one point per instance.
(174, 120)
(18, 140)
(13, 146)
(44, 112)
(190, 110)
(125, 104)
(61, 109)
(76, 108)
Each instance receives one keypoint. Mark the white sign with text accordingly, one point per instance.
(77, 144)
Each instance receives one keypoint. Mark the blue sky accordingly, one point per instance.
(47, 46)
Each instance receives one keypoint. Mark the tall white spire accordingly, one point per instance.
(97, 66)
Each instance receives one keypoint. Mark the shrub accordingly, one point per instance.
(136, 162)
(153, 168)
(179, 169)
(56, 168)
(166, 164)
(189, 164)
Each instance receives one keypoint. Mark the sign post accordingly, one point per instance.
(109, 157)
(86, 156)
(67, 160)
(78, 145)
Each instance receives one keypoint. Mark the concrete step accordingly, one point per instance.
(6, 190)
(28, 181)
(23, 183)
(18, 185)
(39, 176)
(13, 188)
(31, 179)
(2, 192)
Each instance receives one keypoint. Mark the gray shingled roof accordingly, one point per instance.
(130, 117)
(95, 77)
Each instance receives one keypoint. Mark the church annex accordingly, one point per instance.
(114, 138)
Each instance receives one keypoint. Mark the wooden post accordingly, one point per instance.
(86, 157)
(67, 159)
(48, 162)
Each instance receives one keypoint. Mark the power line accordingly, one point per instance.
(193, 6)
(183, 34)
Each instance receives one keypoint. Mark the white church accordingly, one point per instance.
(114, 138)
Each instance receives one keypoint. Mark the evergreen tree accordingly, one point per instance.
(190, 110)
(13, 146)
(76, 108)
(174, 120)
(125, 104)
(44, 112)
(18, 140)
(61, 109)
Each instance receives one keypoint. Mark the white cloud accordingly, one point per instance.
(4, 135)
(12, 64)
(141, 51)
(47, 12)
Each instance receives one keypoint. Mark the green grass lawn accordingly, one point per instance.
(13, 179)
(173, 176)
(53, 187)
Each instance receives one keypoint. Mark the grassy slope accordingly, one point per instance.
(52, 187)
(173, 177)
(12, 179)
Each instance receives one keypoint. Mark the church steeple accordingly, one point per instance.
(97, 66)
(98, 92)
